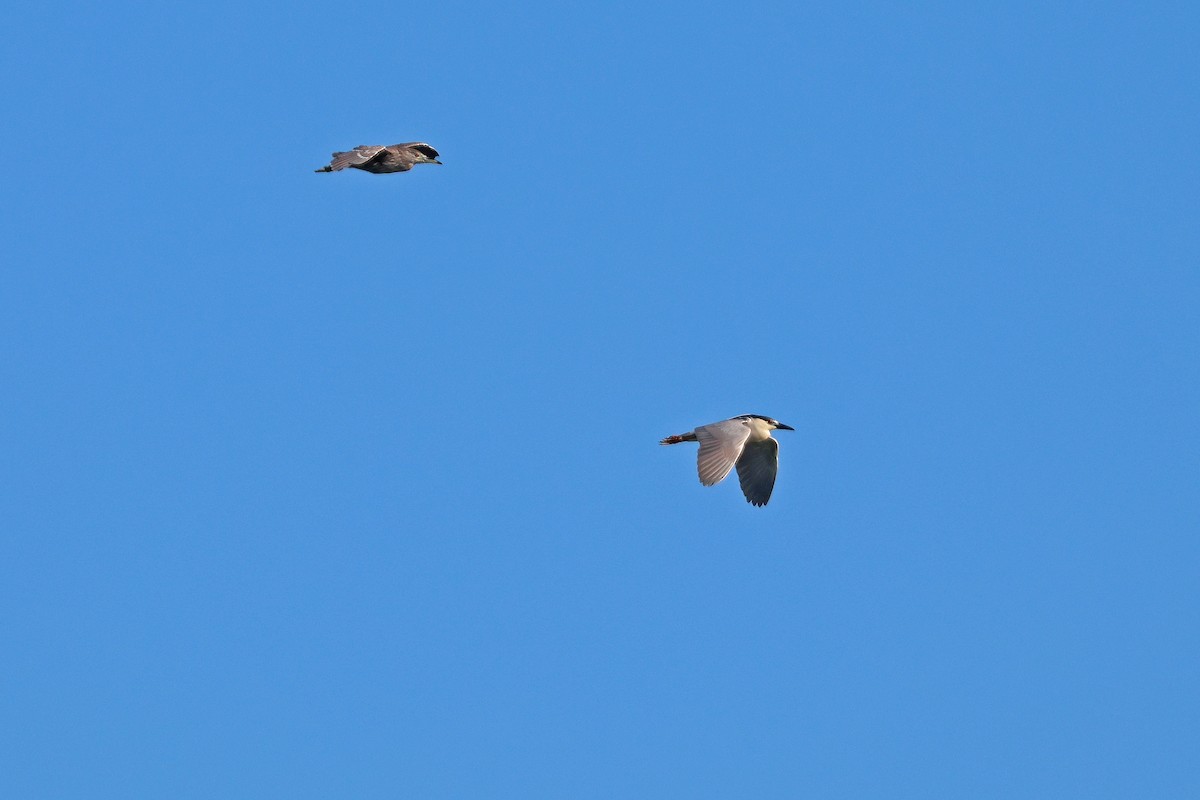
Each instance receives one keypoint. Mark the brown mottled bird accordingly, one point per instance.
(378, 158)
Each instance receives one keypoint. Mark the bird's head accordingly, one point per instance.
(772, 424)
(423, 153)
(420, 152)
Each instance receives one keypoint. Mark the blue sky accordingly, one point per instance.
(349, 485)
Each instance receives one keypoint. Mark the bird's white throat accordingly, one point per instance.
(759, 429)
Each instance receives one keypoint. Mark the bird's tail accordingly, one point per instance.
(679, 437)
(340, 161)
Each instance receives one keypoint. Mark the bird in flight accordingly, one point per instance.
(379, 158)
(744, 442)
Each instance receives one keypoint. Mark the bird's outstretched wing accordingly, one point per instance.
(720, 445)
(756, 470)
(420, 147)
(363, 154)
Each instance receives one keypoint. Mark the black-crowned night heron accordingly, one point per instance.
(743, 441)
(378, 158)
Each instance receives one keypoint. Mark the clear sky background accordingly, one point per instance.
(323, 486)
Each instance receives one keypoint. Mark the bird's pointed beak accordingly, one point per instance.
(436, 161)
(782, 427)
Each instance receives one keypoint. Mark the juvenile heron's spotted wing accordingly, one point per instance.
(756, 470)
(720, 445)
(363, 154)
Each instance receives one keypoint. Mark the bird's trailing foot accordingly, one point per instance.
(679, 437)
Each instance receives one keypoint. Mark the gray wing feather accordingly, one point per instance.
(756, 470)
(720, 445)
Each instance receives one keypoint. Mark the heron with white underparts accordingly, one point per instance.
(744, 442)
